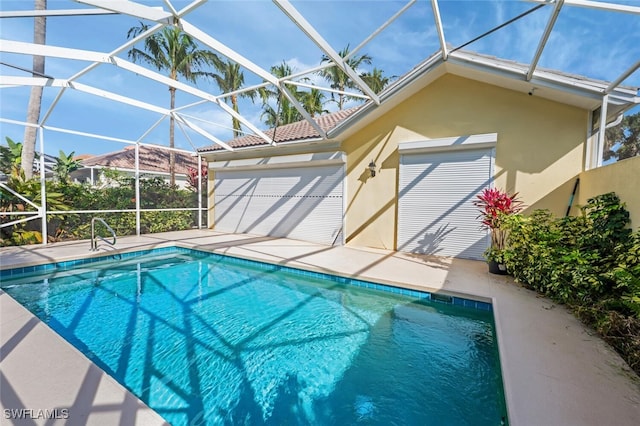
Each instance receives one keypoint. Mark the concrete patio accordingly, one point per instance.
(555, 371)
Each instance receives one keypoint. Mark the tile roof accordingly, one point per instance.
(294, 132)
(151, 160)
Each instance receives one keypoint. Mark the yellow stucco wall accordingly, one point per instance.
(622, 177)
(539, 151)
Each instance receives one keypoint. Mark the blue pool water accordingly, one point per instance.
(207, 339)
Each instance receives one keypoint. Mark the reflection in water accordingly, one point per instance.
(205, 340)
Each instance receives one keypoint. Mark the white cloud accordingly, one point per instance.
(298, 66)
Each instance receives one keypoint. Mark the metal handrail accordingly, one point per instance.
(94, 237)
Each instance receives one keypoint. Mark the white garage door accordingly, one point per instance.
(436, 214)
(303, 203)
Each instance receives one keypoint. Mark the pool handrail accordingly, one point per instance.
(94, 237)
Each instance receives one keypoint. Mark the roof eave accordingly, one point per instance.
(585, 87)
(585, 93)
(282, 147)
(623, 98)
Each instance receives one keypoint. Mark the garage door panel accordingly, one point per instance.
(234, 186)
(315, 216)
(445, 238)
(299, 203)
(229, 206)
(436, 214)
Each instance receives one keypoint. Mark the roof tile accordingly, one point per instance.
(151, 160)
(298, 131)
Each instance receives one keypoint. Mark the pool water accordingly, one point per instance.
(207, 339)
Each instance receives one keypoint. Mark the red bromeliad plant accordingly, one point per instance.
(192, 176)
(494, 204)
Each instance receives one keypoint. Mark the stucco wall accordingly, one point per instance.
(539, 151)
(622, 177)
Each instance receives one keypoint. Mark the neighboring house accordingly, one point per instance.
(443, 132)
(153, 162)
(49, 163)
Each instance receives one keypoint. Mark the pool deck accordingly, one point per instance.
(555, 371)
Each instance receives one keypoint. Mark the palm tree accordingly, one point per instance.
(35, 98)
(313, 102)
(339, 79)
(375, 80)
(274, 117)
(285, 112)
(173, 50)
(230, 78)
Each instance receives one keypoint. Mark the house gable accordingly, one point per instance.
(539, 149)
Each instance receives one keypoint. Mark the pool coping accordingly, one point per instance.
(456, 299)
(544, 379)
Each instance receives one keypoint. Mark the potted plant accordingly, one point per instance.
(494, 206)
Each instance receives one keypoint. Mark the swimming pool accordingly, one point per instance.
(208, 339)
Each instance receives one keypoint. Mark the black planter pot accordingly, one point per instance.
(497, 268)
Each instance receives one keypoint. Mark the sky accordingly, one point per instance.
(593, 43)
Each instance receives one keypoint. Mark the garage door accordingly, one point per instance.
(436, 214)
(304, 203)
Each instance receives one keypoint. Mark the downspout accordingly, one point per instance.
(617, 121)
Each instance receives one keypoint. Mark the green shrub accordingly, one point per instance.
(28, 232)
(118, 195)
(153, 222)
(590, 262)
(574, 260)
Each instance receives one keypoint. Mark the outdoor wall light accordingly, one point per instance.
(372, 168)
